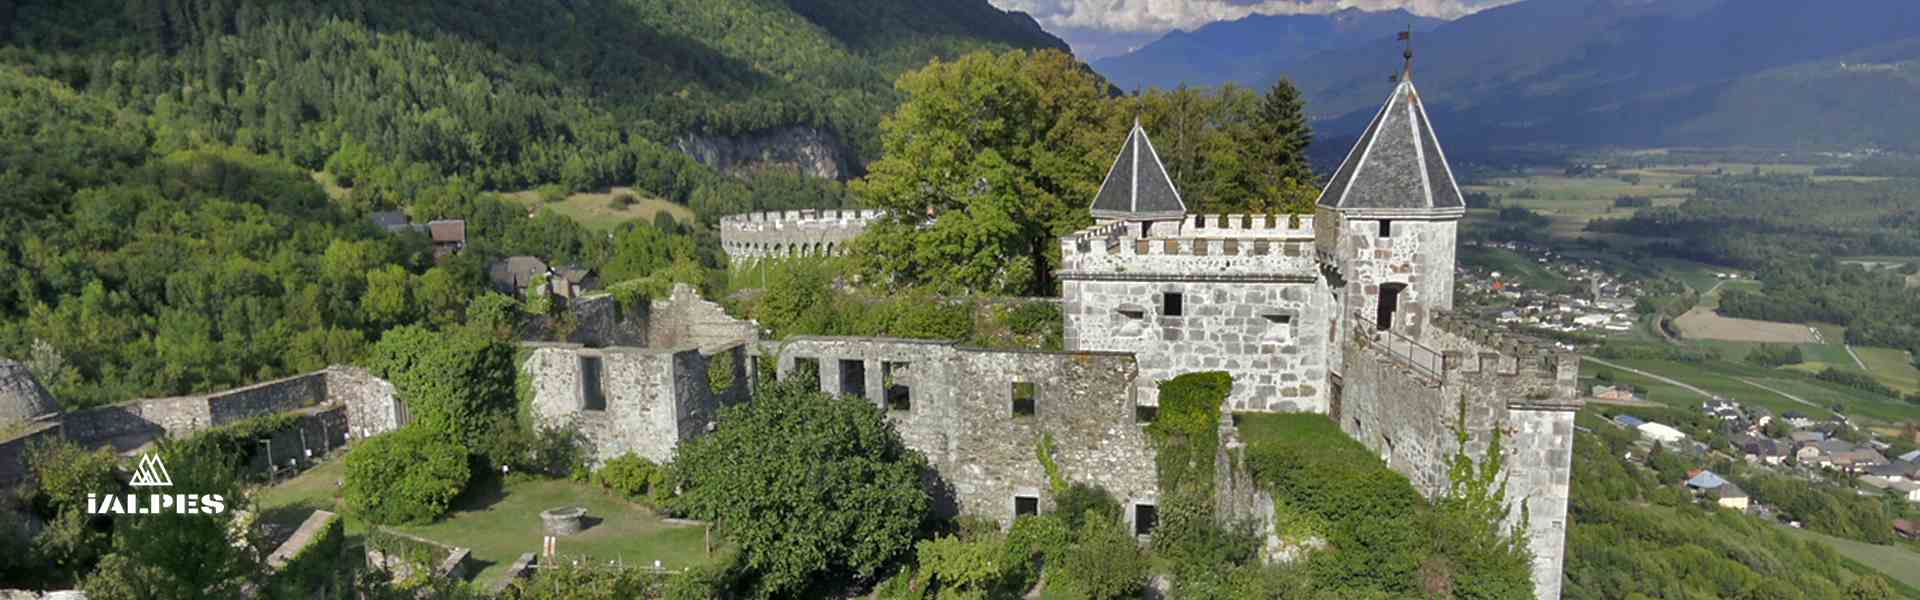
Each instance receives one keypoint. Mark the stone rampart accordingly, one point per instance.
(1405, 399)
(958, 407)
(814, 232)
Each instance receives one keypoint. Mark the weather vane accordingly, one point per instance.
(1407, 36)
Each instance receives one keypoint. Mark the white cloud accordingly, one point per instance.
(1162, 15)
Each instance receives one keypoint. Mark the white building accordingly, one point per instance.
(1661, 433)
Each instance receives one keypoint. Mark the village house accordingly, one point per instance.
(517, 275)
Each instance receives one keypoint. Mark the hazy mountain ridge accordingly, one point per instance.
(1243, 49)
(1636, 73)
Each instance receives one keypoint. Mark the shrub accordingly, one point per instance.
(1081, 499)
(407, 476)
(1031, 318)
(552, 193)
(621, 201)
(1105, 562)
(635, 477)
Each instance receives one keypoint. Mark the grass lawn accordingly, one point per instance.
(1892, 367)
(1831, 354)
(594, 210)
(500, 523)
(289, 502)
(1896, 562)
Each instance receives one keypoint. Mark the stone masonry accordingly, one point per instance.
(959, 410)
(824, 232)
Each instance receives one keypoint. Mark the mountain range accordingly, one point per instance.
(1584, 73)
(1244, 50)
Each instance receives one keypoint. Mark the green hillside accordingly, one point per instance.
(505, 93)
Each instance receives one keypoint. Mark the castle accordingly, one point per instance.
(1346, 312)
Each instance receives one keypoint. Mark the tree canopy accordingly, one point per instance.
(816, 490)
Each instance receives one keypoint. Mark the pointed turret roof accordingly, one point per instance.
(1397, 165)
(1137, 188)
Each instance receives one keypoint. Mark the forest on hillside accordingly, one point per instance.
(503, 94)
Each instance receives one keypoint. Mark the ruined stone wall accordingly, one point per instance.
(1264, 334)
(654, 400)
(13, 449)
(821, 232)
(272, 397)
(685, 320)
(316, 431)
(596, 321)
(372, 408)
(960, 415)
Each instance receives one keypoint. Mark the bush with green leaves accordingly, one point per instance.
(1104, 562)
(454, 382)
(817, 491)
(406, 476)
(1029, 318)
(636, 478)
(1082, 502)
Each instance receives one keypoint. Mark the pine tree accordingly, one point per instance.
(1285, 135)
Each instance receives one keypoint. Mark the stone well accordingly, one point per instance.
(563, 521)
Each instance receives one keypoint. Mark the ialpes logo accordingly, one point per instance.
(152, 473)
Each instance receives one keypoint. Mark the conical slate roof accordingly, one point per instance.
(1137, 188)
(21, 396)
(1397, 164)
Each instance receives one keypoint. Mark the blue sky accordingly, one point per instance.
(1099, 28)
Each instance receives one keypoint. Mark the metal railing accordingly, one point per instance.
(1414, 354)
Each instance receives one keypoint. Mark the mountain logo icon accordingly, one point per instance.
(151, 473)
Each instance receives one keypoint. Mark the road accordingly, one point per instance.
(1787, 395)
(1669, 380)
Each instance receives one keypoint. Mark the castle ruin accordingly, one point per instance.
(1346, 313)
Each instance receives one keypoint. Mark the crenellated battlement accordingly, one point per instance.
(1248, 226)
(812, 232)
(1460, 352)
(762, 221)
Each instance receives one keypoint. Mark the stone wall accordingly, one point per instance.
(595, 321)
(653, 399)
(1400, 402)
(685, 320)
(821, 232)
(960, 415)
(1253, 303)
(278, 396)
(371, 405)
(317, 431)
(13, 450)
(1419, 254)
(1264, 334)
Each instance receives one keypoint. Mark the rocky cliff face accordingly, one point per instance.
(814, 152)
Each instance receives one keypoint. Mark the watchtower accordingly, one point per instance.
(1386, 224)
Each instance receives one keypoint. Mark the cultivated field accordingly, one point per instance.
(1704, 323)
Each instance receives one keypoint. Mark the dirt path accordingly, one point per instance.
(1856, 357)
(1783, 394)
(1662, 378)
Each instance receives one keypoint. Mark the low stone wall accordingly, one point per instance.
(401, 564)
(522, 568)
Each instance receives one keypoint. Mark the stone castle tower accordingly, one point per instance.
(1346, 313)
